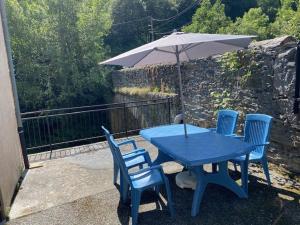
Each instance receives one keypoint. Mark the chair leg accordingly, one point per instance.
(124, 190)
(244, 176)
(135, 202)
(169, 196)
(264, 163)
(116, 172)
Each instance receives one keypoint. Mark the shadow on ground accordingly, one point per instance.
(265, 205)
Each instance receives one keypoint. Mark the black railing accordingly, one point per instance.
(46, 130)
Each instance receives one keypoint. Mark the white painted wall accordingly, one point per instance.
(11, 161)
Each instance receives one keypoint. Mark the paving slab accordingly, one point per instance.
(58, 181)
(219, 206)
(78, 189)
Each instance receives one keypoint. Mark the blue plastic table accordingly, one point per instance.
(199, 148)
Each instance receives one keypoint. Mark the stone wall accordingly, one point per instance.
(260, 79)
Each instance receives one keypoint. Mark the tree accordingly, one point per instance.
(288, 19)
(93, 24)
(31, 34)
(237, 8)
(209, 18)
(56, 49)
(269, 7)
(254, 22)
(185, 18)
(130, 26)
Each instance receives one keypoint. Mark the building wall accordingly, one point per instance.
(260, 79)
(11, 161)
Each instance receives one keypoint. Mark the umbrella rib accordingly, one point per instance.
(160, 50)
(190, 46)
(143, 57)
(184, 49)
(187, 55)
(230, 44)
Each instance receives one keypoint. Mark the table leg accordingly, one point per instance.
(221, 177)
(162, 158)
(244, 173)
(200, 188)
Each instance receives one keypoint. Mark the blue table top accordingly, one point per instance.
(200, 147)
(170, 130)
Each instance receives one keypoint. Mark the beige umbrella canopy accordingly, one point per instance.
(179, 47)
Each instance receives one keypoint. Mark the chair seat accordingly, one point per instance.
(253, 156)
(132, 162)
(148, 178)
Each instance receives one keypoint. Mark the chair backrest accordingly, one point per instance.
(119, 158)
(107, 135)
(257, 131)
(227, 120)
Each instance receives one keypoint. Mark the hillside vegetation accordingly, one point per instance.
(57, 44)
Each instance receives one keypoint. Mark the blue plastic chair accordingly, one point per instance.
(256, 132)
(226, 125)
(226, 122)
(151, 177)
(137, 157)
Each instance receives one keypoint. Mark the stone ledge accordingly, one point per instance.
(272, 44)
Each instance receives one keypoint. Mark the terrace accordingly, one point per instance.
(73, 185)
(78, 189)
(67, 178)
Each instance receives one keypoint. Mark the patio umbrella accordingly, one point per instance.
(179, 47)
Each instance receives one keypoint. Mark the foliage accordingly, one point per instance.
(57, 44)
(142, 91)
(288, 19)
(254, 22)
(126, 36)
(240, 65)
(209, 18)
(221, 100)
(230, 62)
(56, 47)
(237, 8)
(269, 7)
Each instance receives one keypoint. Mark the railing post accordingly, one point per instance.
(169, 110)
(23, 147)
(49, 135)
(125, 119)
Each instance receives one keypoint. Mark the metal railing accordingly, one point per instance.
(47, 130)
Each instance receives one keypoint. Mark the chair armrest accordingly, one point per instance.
(267, 143)
(231, 135)
(156, 167)
(238, 137)
(133, 152)
(212, 129)
(126, 142)
(134, 155)
(140, 153)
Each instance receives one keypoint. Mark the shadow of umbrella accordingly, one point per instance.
(148, 197)
(265, 205)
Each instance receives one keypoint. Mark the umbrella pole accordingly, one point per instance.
(180, 90)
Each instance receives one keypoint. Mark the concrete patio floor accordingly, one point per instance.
(78, 189)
